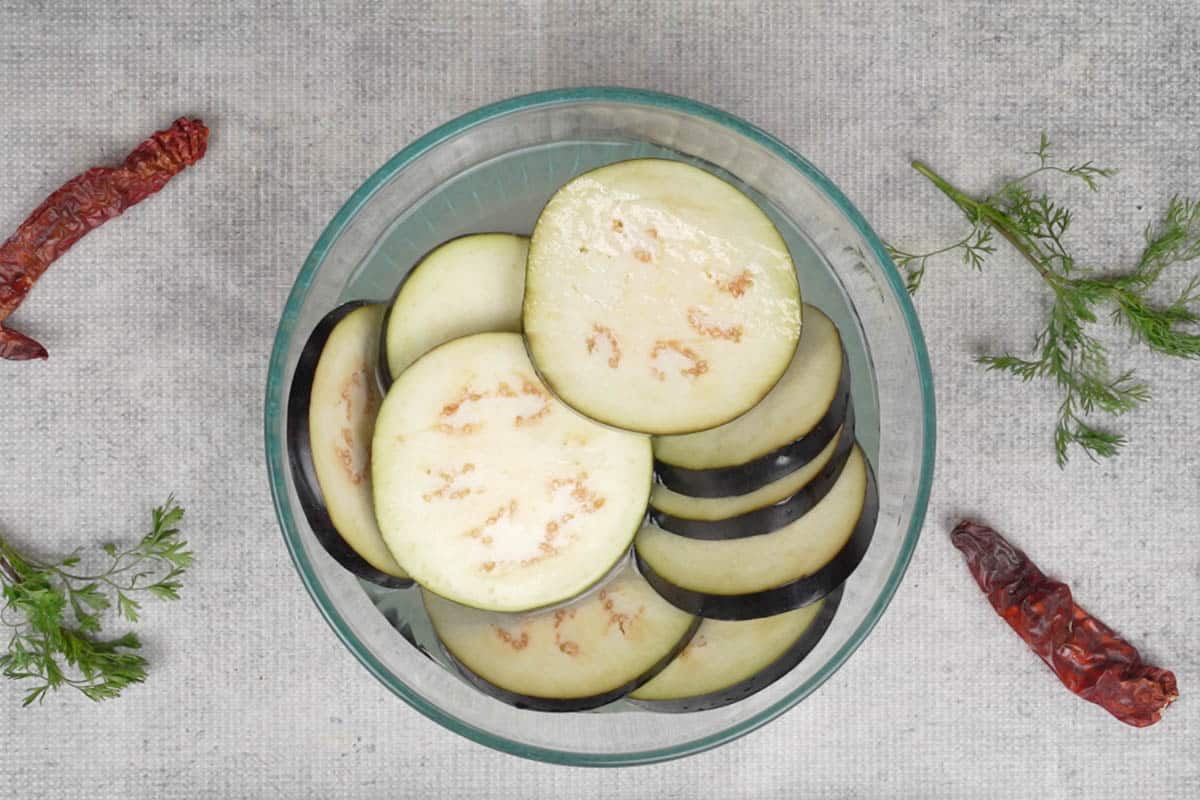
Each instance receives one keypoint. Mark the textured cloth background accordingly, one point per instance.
(159, 327)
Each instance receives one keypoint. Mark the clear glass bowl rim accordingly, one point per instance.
(276, 391)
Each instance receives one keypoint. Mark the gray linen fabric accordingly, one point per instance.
(159, 328)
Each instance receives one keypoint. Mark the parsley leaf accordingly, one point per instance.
(54, 613)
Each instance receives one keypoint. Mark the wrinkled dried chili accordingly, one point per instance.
(81, 204)
(1087, 656)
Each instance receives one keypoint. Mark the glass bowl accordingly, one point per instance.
(492, 170)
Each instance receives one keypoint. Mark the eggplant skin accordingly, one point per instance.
(304, 473)
(778, 599)
(745, 478)
(785, 663)
(768, 518)
(383, 373)
(556, 704)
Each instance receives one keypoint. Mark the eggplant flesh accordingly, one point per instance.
(470, 284)
(490, 491)
(711, 671)
(582, 655)
(659, 298)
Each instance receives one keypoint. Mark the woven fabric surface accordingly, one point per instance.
(160, 324)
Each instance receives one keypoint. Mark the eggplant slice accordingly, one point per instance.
(472, 284)
(789, 428)
(758, 576)
(491, 492)
(677, 504)
(727, 661)
(659, 298)
(583, 655)
(331, 414)
(729, 518)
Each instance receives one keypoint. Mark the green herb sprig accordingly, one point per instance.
(1064, 351)
(54, 612)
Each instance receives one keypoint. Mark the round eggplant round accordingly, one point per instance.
(789, 428)
(579, 656)
(727, 661)
(758, 576)
(659, 298)
(490, 491)
(331, 414)
(472, 284)
(732, 523)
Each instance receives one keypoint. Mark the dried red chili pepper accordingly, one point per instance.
(1087, 656)
(81, 204)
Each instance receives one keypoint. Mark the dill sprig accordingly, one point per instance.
(1064, 351)
(54, 610)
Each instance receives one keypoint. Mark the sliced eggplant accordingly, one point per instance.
(677, 504)
(579, 656)
(472, 284)
(789, 428)
(490, 491)
(730, 518)
(331, 416)
(758, 576)
(659, 298)
(728, 661)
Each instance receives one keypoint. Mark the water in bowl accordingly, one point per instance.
(506, 194)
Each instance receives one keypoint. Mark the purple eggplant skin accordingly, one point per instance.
(556, 705)
(772, 517)
(745, 478)
(299, 447)
(778, 599)
(785, 663)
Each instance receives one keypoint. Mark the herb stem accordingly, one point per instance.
(1065, 351)
(975, 210)
(10, 572)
